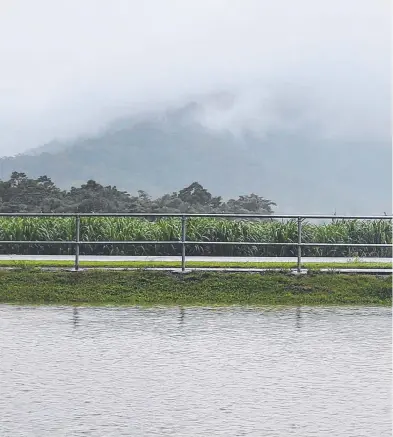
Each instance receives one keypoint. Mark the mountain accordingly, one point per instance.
(291, 162)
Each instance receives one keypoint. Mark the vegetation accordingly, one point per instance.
(198, 230)
(23, 194)
(198, 288)
(29, 264)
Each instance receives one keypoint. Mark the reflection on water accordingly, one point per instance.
(68, 371)
(298, 317)
(181, 317)
(75, 317)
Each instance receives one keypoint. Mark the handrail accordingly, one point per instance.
(183, 240)
(179, 214)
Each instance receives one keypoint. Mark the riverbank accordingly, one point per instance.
(195, 288)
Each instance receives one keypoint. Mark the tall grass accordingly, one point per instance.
(198, 229)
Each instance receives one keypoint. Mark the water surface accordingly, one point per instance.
(270, 372)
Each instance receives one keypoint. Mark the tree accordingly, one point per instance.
(195, 194)
(251, 203)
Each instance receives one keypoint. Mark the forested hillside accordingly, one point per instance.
(303, 169)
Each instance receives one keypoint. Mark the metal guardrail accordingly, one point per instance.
(184, 242)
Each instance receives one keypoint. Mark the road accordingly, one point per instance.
(109, 259)
(189, 258)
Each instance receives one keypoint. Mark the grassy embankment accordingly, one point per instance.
(193, 264)
(197, 288)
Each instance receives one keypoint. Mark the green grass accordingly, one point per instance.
(197, 288)
(200, 230)
(28, 264)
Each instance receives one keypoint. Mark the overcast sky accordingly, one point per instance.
(67, 67)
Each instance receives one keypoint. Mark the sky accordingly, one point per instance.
(70, 67)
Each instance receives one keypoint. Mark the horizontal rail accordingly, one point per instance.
(179, 215)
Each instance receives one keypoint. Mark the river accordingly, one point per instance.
(264, 372)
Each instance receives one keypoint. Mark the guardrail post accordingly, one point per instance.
(77, 240)
(183, 240)
(299, 242)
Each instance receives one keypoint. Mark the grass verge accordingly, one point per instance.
(195, 264)
(195, 288)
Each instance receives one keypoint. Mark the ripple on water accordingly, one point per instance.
(195, 372)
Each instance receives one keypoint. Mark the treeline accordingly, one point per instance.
(23, 194)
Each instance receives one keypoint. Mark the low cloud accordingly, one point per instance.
(69, 68)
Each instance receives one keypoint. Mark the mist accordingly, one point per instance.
(69, 68)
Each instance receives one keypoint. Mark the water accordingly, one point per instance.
(195, 372)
